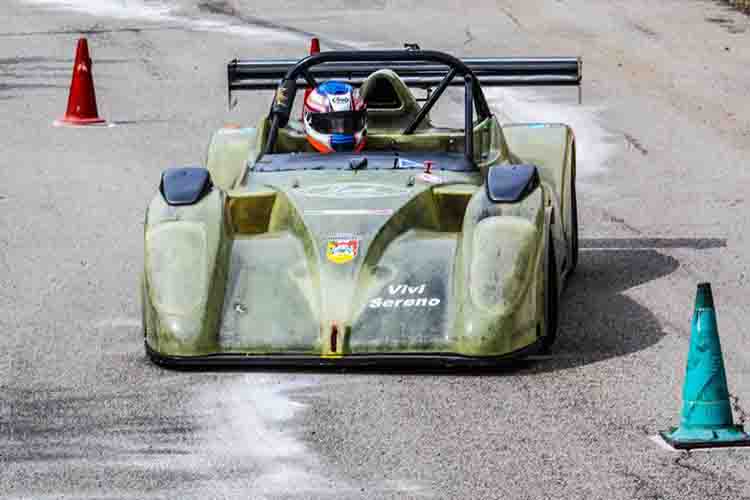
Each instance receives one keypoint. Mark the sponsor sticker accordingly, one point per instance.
(404, 296)
(341, 102)
(342, 99)
(280, 96)
(341, 251)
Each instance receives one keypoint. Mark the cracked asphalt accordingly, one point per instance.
(664, 145)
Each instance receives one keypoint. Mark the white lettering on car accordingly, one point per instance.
(403, 295)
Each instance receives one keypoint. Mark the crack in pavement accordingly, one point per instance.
(510, 16)
(679, 461)
(636, 144)
(469, 37)
(621, 222)
(738, 409)
(222, 7)
(643, 486)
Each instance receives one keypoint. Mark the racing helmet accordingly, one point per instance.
(335, 118)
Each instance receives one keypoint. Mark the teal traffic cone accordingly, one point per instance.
(706, 413)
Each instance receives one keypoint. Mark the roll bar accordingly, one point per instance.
(420, 68)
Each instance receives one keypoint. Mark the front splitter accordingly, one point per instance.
(399, 361)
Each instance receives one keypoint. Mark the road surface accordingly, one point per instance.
(664, 169)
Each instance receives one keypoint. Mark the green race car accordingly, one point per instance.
(433, 247)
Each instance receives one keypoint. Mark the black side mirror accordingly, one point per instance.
(511, 183)
(185, 185)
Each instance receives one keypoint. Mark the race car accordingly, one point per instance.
(431, 247)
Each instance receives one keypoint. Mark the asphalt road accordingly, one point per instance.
(664, 143)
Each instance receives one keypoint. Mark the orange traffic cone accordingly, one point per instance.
(82, 108)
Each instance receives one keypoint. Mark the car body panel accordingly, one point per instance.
(551, 147)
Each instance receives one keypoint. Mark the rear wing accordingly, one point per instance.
(265, 74)
(424, 68)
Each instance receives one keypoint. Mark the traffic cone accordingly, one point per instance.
(706, 412)
(314, 46)
(82, 108)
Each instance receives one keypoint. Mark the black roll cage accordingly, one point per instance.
(473, 95)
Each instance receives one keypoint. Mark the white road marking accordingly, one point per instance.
(248, 420)
(123, 9)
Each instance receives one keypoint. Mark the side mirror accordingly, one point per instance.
(185, 186)
(511, 183)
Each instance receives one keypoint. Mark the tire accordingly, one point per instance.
(573, 229)
(551, 306)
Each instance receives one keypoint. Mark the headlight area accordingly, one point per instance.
(176, 270)
(502, 262)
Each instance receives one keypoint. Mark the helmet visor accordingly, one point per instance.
(338, 122)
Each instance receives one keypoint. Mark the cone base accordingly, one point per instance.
(688, 439)
(71, 120)
(88, 124)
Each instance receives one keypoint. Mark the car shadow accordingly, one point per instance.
(598, 320)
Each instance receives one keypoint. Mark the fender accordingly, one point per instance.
(228, 154)
(551, 147)
(186, 250)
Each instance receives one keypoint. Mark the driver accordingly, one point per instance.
(335, 118)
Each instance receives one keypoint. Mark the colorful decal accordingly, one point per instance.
(404, 296)
(342, 251)
(280, 96)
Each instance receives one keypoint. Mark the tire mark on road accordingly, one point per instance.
(90, 31)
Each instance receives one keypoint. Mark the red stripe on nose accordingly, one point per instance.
(334, 337)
